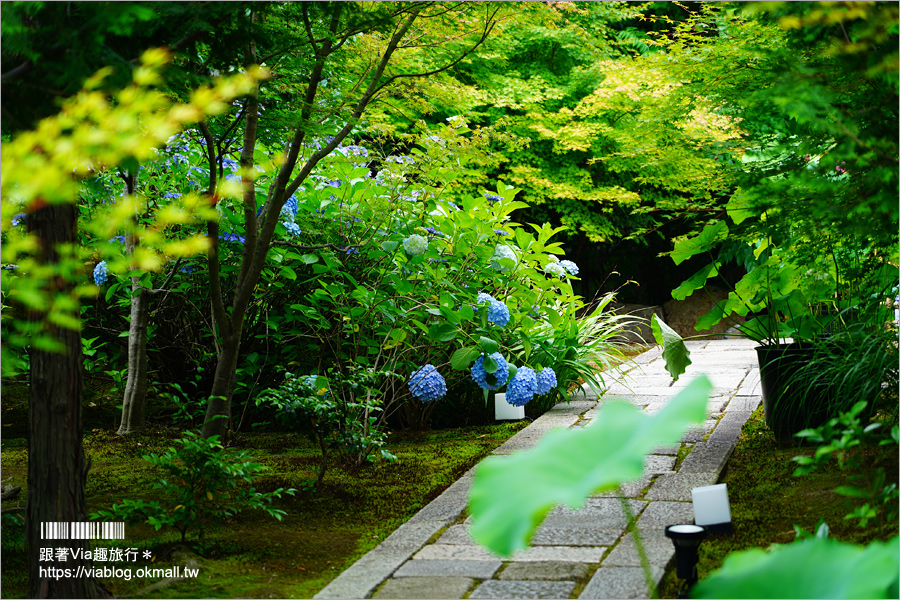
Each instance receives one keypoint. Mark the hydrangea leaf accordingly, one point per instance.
(464, 357)
(675, 352)
(510, 495)
(827, 569)
(442, 332)
(488, 345)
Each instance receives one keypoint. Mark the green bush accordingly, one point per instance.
(341, 417)
(201, 488)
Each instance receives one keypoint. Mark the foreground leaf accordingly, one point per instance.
(813, 568)
(675, 352)
(511, 494)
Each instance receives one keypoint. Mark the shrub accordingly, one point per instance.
(201, 488)
(342, 417)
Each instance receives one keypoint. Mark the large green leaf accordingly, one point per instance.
(712, 234)
(511, 494)
(813, 568)
(675, 352)
(695, 282)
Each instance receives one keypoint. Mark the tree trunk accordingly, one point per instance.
(218, 408)
(56, 463)
(136, 385)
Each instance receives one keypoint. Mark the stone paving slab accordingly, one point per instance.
(632, 489)
(583, 535)
(364, 575)
(751, 385)
(659, 514)
(696, 434)
(660, 550)
(745, 403)
(707, 457)
(547, 570)
(586, 554)
(729, 428)
(425, 587)
(620, 582)
(523, 589)
(678, 486)
(476, 569)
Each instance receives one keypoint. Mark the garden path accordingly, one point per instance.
(574, 554)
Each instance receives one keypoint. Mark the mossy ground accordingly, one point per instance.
(253, 555)
(767, 500)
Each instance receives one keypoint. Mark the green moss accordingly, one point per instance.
(253, 555)
(767, 500)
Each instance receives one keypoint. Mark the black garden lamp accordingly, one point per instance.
(687, 540)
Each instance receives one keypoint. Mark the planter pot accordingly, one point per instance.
(790, 403)
(504, 411)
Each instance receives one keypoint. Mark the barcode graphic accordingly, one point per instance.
(92, 530)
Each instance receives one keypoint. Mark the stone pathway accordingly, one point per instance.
(574, 554)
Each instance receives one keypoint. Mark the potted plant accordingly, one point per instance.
(802, 315)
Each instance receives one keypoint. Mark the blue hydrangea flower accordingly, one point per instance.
(480, 375)
(292, 228)
(118, 239)
(493, 197)
(172, 195)
(19, 218)
(497, 312)
(546, 381)
(434, 231)
(552, 258)
(188, 270)
(501, 252)
(232, 237)
(555, 269)
(501, 232)
(427, 385)
(230, 164)
(101, 273)
(569, 266)
(290, 206)
(415, 244)
(522, 388)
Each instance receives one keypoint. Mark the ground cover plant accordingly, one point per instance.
(250, 554)
(772, 506)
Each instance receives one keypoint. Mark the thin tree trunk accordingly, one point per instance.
(136, 385)
(56, 462)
